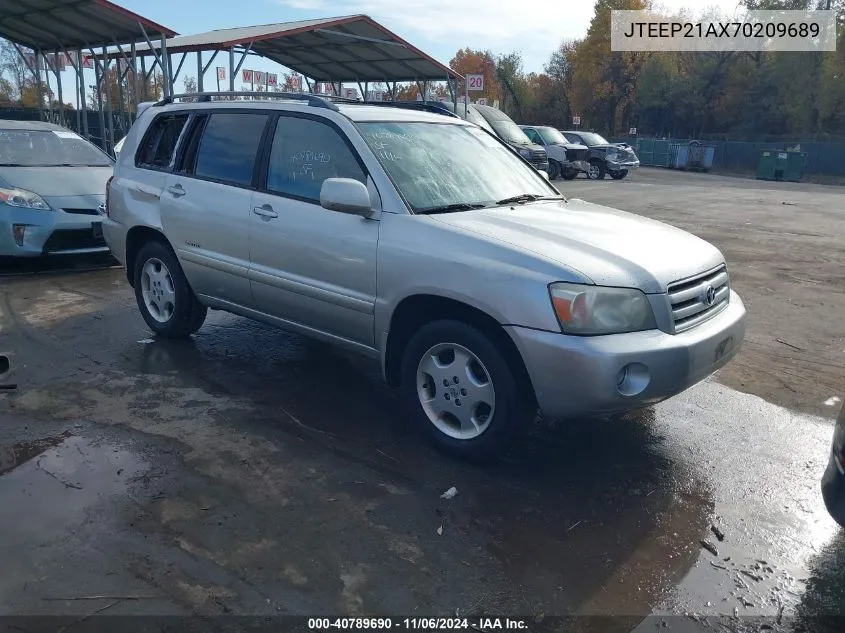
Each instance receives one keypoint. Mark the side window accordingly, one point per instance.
(159, 143)
(306, 152)
(229, 146)
(532, 134)
(186, 163)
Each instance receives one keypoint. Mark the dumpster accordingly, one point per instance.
(796, 162)
(778, 164)
(692, 155)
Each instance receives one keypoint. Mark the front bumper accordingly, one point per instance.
(833, 489)
(578, 165)
(626, 165)
(579, 375)
(541, 165)
(50, 233)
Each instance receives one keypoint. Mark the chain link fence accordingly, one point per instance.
(823, 157)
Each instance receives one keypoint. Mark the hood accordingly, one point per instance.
(57, 181)
(608, 246)
(575, 146)
(532, 146)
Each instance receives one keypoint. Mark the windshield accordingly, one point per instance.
(474, 117)
(551, 136)
(510, 132)
(48, 148)
(591, 138)
(438, 165)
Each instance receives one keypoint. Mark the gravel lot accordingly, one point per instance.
(249, 471)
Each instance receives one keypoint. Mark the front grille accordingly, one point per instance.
(71, 239)
(539, 156)
(689, 298)
(81, 211)
(577, 154)
(625, 155)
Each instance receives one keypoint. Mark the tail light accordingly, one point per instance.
(108, 190)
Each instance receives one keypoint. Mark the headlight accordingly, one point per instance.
(612, 154)
(525, 153)
(584, 310)
(23, 198)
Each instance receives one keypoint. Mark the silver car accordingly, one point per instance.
(52, 186)
(422, 242)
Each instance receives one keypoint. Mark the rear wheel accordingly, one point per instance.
(619, 175)
(596, 171)
(165, 298)
(459, 387)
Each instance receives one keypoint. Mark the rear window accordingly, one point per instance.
(48, 148)
(160, 141)
(229, 147)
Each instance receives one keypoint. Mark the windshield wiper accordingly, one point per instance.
(527, 197)
(447, 208)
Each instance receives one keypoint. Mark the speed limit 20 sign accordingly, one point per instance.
(475, 82)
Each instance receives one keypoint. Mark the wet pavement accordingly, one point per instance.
(253, 472)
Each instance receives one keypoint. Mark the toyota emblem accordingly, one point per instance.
(710, 296)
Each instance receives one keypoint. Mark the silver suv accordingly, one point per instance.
(423, 242)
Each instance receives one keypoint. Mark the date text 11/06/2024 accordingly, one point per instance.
(417, 624)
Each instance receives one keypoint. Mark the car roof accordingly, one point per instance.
(5, 124)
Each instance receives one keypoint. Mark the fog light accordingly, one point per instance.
(19, 232)
(632, 379)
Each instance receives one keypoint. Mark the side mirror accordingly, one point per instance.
(345, 195)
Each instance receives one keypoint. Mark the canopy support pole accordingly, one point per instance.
(199, 72)
(106, 79)
(232, 69)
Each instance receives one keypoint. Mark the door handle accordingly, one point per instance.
(265, 211)
(176, 191)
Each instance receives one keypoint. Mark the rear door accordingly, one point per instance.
(206, 202)
(310, 266)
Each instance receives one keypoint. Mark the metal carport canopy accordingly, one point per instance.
(73, 24)
(351, 48)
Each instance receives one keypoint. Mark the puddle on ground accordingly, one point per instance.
(53, 482)
(13, 456)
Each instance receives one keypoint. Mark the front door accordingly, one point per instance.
(206, 203)
(310, 266)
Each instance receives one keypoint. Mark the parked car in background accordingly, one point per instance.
(566, 160)
(422, 242)
(118, 146)
(52, 188)
(605, 157)
(833, 481)
(509, 132)
(469, 113)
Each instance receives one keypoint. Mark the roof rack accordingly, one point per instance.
(204, 97)
(426, 106)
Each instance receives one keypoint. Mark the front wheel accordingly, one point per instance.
(164, 296)
(554, 170)
(619, 175)
(459, 387)
(596, 170)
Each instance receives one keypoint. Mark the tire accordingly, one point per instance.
(169, 306)
(500, 408)
(597, 170)
(570, 174)
(554, 170)
(619, 175)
